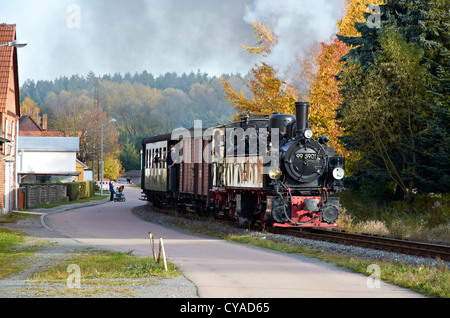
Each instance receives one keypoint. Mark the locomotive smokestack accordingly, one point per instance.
(301, 115)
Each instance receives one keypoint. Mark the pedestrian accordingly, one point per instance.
(111, 189)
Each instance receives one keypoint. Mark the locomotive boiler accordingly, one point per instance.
(258, 169)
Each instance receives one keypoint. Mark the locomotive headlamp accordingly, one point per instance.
(307, 133)
(338, 173)
(274, 173)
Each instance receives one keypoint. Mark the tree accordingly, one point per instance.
(30, 107)
(325, 86)
(325, 97)
(355, 14)
(265, 36)
(129, 157)
(270, 94)
(112, 167)
(74, 115)
(412, 41)
(133, 106)
(173, 109)
(380, 117)
(433, 157)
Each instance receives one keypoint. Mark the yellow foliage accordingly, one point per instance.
(265, 36)
(112, 168)
(325, 97)
(269, 94)
(30, 107)
(354, 12)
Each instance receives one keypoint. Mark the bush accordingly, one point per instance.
(92, 188)
(86, 189)
(80, 190)
(73, 190)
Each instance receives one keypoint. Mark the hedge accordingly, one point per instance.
(80, 190)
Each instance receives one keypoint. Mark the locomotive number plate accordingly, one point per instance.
(306, 156)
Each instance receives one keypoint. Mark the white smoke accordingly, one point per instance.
(299, 26)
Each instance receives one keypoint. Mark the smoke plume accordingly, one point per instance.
(299, 26)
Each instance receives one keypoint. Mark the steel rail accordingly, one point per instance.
(362, 240)
(381, 243)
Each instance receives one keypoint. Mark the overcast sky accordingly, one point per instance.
(68, 37)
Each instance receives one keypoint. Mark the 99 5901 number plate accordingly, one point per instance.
(306, 156)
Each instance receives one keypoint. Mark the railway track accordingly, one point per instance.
(362, 240)
(375, 242)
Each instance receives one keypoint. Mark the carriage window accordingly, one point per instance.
(151, 158)
(164, 158)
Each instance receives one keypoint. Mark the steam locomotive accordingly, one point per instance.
(258, 169)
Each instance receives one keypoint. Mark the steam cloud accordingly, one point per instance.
(299, 25)
(74, 37)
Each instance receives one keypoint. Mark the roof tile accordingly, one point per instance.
(7, 34)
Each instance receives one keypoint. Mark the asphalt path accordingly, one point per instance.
(218, 268)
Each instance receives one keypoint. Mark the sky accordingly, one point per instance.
(67, 37)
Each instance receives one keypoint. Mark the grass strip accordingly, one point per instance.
(431, 281)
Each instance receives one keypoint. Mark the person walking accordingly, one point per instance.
(111, 189)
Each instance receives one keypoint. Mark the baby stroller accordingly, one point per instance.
(120, 197)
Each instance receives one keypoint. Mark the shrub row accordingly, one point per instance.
(80, 190)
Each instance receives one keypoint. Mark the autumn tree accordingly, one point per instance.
(31, 108)
(325, 88)
(325, 97)
(270, 94)
(74, 115)
(112, 168)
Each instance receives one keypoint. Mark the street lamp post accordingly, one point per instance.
(101, 181)
(16, 43)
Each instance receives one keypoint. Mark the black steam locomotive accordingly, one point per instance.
(258, 169)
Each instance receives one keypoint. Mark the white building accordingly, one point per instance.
(45, 159)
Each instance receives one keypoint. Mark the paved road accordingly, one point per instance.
(218, 268)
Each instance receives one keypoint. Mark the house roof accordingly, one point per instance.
(49, 143)
(28, 117)
(81, 163)
(8, 55)
(29, 127)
